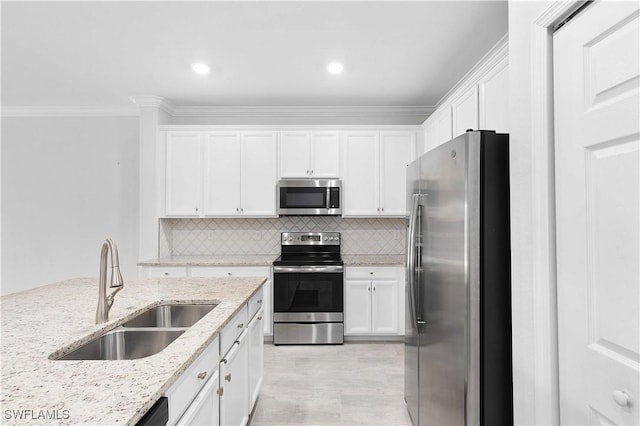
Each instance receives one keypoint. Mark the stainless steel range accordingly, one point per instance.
(307, 289)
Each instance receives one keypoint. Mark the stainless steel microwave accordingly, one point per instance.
(304, 197)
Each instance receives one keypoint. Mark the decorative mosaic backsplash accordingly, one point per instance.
(201, 237)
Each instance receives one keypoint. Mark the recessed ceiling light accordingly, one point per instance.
(335, 68)
(200, 68)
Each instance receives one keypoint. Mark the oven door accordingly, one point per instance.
(307, 294)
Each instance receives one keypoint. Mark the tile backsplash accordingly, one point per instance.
(201, 237)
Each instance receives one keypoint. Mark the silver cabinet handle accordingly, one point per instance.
(374, 289)
(229, 273)
(368, 288)
(382, 209)
(202, 375)
(307, 171)
(311, 171)
(220, 391)
(260, 318)
(260, 301)
(166, 273)
(622, 398)
(241, 325)
(370, 273)
(228, 377)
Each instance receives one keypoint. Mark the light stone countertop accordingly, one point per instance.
(267, 260)
(57, 318)
(373, 260)
(235, 260)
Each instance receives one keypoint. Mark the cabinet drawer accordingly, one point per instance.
(233, 329)
(375, 272)
(255, 303)
(225, 271)
(192, 380)
(166, 272)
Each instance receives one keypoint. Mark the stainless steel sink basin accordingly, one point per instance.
(122, 344)
(170, 316)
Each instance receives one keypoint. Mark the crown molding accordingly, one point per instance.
(76, 111)
(416, 113)
(303, 111)
(498, 53)
(152, 101)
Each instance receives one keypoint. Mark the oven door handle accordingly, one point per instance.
(334, 269)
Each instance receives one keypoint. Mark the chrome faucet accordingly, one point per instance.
(104, 301)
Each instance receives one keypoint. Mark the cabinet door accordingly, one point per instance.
(494, 99)
(294, 154)
(267, 307)
(234, 401)
(444, 126)
(222, 174)
(362, 170)
(256, 357)
(384, 301)
(182, 187)
(325, 155)
(397, 150)
(465, 112)
(357, 307)
(259, 174)
(430, 135)
(205, 408)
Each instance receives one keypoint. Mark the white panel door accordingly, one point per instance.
(325, 155)
(361, 178)
(259, 174)
(182, 174)
(597, 147)
(294, 154)
(494, 99)
(205, 408)
(384, 307)
(221, 174)
(465, 112)
(397, 150)
(357, 307)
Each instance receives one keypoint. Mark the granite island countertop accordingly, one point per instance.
(57, 318)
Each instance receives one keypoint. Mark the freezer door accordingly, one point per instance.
(443, 291)
(411, 388)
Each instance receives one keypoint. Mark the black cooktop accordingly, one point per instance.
(309, 248)
(305, 259)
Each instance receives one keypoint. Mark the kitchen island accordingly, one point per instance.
(43, 323)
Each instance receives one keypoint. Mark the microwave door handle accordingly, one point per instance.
(328, 203)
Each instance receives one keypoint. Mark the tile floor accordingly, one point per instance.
(356, 383)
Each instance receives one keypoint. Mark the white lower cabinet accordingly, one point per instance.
(234, 384)
(205, 409)
(223, 390)
(372, 301)
(256, 357)
(188, 396)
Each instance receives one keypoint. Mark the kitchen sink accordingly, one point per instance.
(170, 316)
(122, 344)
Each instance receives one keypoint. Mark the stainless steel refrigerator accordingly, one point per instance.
(458, 290)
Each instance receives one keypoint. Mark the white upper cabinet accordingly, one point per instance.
(309, 154)
(182, 177)
(375, 172)
(259, 174)
(220, 174)
(465, 112)
(397, 150)
(362, 174)
(494, 99)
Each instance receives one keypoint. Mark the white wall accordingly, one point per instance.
(67, 184)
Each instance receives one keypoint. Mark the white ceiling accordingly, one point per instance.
(98, 54)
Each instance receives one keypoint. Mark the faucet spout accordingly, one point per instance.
(105, 302)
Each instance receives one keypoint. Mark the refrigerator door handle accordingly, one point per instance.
(411, 258)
